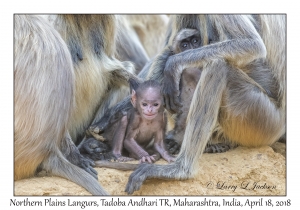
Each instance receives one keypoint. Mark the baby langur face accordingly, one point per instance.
(150, 103)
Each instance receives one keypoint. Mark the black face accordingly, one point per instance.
(192, 42)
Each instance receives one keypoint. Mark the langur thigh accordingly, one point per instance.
(248, 116)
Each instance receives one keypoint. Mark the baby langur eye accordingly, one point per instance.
(144, 104)
(156, 104)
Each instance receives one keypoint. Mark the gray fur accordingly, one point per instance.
(233, 97)
(44, 101)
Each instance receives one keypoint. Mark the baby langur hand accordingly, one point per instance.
(148, 158)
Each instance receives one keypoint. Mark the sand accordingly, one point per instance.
(240, 171)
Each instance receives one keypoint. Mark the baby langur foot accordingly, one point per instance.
(148, 158)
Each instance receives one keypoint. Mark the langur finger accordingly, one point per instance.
(149, 159)
(90, 162)
(152, 158)
(93, 171)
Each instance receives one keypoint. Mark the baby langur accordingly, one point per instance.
(144, 122)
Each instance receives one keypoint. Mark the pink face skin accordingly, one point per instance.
(150, 103)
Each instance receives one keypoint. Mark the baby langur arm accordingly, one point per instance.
(137, 151)
(117, 140)
(160, 147)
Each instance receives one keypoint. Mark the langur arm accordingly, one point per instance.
(137, 151)
(157, 73)
(160, 147)
(122, 77)
(239, 51)
(118, 138)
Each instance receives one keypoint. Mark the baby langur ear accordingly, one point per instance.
(133, 98)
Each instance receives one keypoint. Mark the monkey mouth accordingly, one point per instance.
(149, 116)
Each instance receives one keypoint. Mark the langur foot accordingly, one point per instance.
(73, 155)
(95, 150)
(217, 148)
(172, 146)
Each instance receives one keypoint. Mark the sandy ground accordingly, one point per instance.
(262, 170)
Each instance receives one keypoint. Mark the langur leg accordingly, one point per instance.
(95, 145)
(71, 152)
(250, 114)
(105, 113)
(110, 117)
(188, 82)
(174, 137)
(202, 118)
(95, 150)
(110, 112)
(118, 139)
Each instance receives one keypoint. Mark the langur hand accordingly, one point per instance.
(137, 178)
(148, 158)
